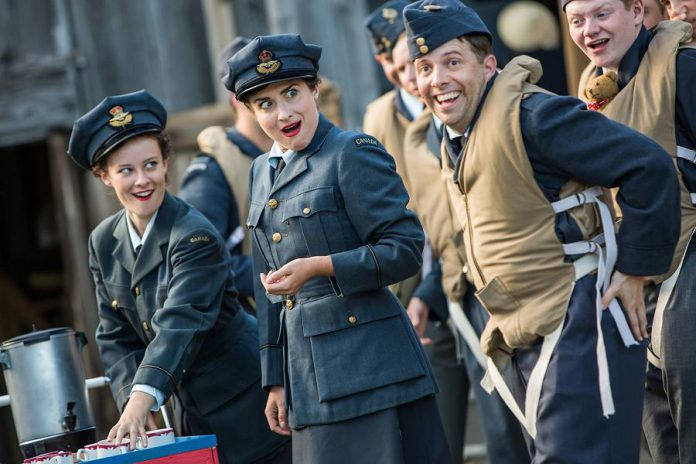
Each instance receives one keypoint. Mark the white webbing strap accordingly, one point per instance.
(690, 156)
(686, 154)
(464, 327)
(666, 289)
(493, 380)
(596, 257)
(606, 260)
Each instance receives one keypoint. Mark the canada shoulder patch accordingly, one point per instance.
(199, 238)
(359, 141)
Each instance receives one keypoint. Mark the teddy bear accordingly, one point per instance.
(601, 89)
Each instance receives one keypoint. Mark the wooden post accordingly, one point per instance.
(72, 225)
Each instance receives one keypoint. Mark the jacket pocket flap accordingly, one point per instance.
(496, 298)
(331, 313)
(309, 202)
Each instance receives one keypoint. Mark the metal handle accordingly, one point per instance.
(81, 339)
(4, 360)
(96, 382)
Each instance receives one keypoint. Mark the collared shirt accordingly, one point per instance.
(413, 105)
(136, 241)
(277, 152)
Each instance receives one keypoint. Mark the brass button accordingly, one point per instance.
(146, 326)
(424, 49)
(289, 304)
(114, 304)
(306, 211)
(277, 237)
(352, 319)
(420, 41)
(272, 203)
(137, 291)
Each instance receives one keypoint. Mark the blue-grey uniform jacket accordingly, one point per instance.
(170, 317)
(346, 347)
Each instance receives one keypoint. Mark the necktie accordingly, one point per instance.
(137, 249)
(277, 163)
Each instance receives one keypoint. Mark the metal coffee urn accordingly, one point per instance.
(45, 381)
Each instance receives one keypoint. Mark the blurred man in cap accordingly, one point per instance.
(656, 96)
(533, 230)
(216, 181)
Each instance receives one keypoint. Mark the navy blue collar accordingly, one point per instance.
(631, 60)
(245, 145)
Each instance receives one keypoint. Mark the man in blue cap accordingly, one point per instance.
(217, 180)
(540, 239)
(655, 95)
(387, 118)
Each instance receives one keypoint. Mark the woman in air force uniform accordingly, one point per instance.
(169, 319)
(344, 368)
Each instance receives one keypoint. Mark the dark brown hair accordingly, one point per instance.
(480, 44)
(162, 140)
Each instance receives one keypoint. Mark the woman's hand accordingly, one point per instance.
(289, 279)
(276, 412)
(629, 290)
(133, 419)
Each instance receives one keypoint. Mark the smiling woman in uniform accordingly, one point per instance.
(169, 319)
(344, 369)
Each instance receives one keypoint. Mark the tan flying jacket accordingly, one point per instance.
(235, 165)
(647, 104)
(516, 259)
(382, 121)
(431, 203)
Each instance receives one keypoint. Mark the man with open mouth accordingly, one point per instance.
(540, 240)
(656, 96)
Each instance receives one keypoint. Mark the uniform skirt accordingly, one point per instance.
(409, 433)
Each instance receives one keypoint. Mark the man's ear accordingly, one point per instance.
(490, 64)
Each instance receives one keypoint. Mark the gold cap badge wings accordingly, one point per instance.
(119, 118)
(390, 14)
(267, 64)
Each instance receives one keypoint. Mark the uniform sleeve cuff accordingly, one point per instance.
(637, 261)
(152, 391)
(272, 366)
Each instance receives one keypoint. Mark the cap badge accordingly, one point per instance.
(119, 118)
(432, 8)
(390, 14)
(267, 64)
